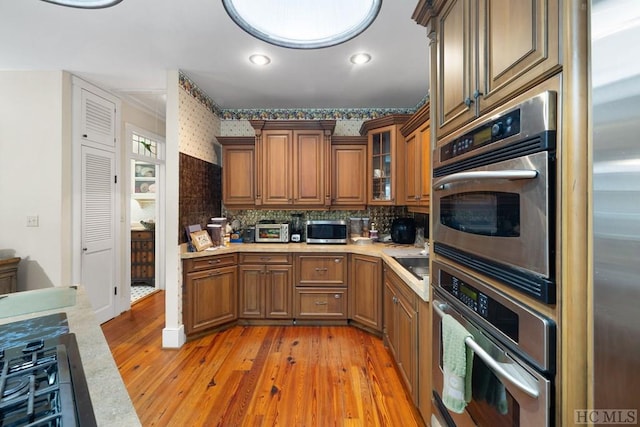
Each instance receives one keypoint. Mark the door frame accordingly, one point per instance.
(159, 161)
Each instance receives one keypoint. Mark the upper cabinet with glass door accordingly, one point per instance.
(385, 183)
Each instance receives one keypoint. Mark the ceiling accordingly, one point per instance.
(128, 49)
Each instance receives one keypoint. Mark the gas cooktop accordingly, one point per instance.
(42, 382)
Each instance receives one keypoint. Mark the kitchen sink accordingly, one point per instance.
(416, 265)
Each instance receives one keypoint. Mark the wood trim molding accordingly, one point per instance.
(417, 119)
(236, 140)
(349, 140)
(391, 119)
(326, 125)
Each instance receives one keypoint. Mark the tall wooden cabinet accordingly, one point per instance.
(417, 166)
(385, 180)
(293, 163)
(488, 52)
(349, 172)
(238, 171)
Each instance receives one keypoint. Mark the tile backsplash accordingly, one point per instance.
(381, 216)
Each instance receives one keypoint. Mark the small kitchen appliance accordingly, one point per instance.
(327, 231)
(297, 228)
(268, 231)
(403, 231)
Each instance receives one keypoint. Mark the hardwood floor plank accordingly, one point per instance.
(257, 375)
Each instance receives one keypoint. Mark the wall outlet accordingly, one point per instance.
(32, 221)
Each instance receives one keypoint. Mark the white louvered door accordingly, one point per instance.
(98, 230)
(97, 119)
(98, 209)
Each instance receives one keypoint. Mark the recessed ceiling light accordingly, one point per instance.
(85, 4)
(360, 58)
(259, 59)
(303, 24)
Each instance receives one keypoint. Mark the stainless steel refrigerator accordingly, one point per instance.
(615, 62)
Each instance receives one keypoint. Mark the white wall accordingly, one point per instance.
(35, 176)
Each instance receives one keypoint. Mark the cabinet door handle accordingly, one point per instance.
(214, 261)
(321, 303)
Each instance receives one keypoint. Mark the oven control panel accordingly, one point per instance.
(493, 131)
(494, 312)
(471, 297)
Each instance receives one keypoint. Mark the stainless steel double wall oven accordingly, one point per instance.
(494, 213)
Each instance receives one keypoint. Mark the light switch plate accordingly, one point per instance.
(32, 221)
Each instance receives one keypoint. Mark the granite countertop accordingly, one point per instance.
(109, 397)
(386, 251)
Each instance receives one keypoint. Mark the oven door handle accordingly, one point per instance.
(511, 175)
(502, 370)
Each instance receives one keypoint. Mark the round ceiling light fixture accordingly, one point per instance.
(303, 24)
(259, 59)
(85, 4)
(360, 58)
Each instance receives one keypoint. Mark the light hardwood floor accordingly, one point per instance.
(257, 375)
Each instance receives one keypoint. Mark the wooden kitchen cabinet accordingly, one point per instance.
(385, 180)
(321, 270)
(143, 257)
(365, 291)
(489, 52)
(9, 275)
(238, 171)
(321, 286)
(265, 286)
(293, 163)
(209, 293)
(400, 330)
(349, 172)
(417, 166)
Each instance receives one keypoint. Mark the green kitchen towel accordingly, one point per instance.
(457, 362)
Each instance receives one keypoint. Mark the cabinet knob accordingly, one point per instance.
(477, 94)
(468, 102)
(337, 261)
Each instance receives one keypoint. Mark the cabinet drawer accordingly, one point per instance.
(142, 235)
(266, 258)
(205, 263)
(321, 303)
(321, 270)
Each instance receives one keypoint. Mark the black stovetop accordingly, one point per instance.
(42, 382)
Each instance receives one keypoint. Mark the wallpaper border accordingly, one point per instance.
(291, 114)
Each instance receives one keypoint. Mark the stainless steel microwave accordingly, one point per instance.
(327, 232)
